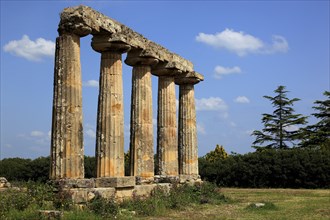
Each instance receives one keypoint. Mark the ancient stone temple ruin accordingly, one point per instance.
(176, 138)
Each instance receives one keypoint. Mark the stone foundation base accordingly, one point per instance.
(81, 191)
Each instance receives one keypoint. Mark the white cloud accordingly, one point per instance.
(201, 129)
(37, 137)
(8, 146)
(279, 45)
(242, 43)
(211, 104)
(37, 134)
(90, 133)
(291, 128)
(249, 132)
(31, 50)
(221, 71)
(91, 83)
(232, 124)
(242, 99)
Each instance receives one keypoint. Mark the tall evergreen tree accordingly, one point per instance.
(278, 130)
(318, 135)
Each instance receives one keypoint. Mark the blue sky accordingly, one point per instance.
(245, 49)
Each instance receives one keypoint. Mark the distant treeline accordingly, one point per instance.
(275, 168)
(19, 169)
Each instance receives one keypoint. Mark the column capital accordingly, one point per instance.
(102, 43)
(166, 69)
(140, 58)
(79, 29)
(189, 78)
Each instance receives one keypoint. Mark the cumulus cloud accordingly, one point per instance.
(242, 43)
(91, 83)
(36, 137)
(90, 133)
(29, 49)
(242, 99)
(37, 134)
(221, 71)
(201, 129)
(211, 104)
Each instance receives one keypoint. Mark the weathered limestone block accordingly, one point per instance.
(167, 141)
(117, 182)
(97, 22)
(143, 191)
(167, 179)
(189, 179)
(105, 193)
(4, 183)
(110, 115)
(141, 137)
(124, 194)
(74, 183)
(67, 153)
(78, 196)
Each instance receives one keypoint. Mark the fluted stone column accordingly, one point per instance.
(110, 115)
(141, 137)
(188, 155)
(167, 142)
(67, 153)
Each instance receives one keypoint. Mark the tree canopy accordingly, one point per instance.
(318, 135)
(216, 154)
(280, 128)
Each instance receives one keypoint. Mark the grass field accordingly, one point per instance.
(205, 201)
(280, 204)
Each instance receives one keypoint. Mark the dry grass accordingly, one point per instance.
(288, 204)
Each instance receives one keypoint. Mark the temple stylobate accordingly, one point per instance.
(177, 155)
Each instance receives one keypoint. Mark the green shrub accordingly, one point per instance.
(178, 197)
(105, 208)
(13, 200)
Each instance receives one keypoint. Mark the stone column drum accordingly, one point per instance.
(110, 115)
(141, 137)
(167, 142)
(188, 155)
(67, 153)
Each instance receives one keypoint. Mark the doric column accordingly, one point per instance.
(67, 153)
(141, 137)
(188, 153)
(167, 142)
(110, 115)
(188, 156)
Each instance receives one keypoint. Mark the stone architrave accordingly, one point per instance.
(141, 137)
(67, 153)
(188, 155)
(110, 115)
